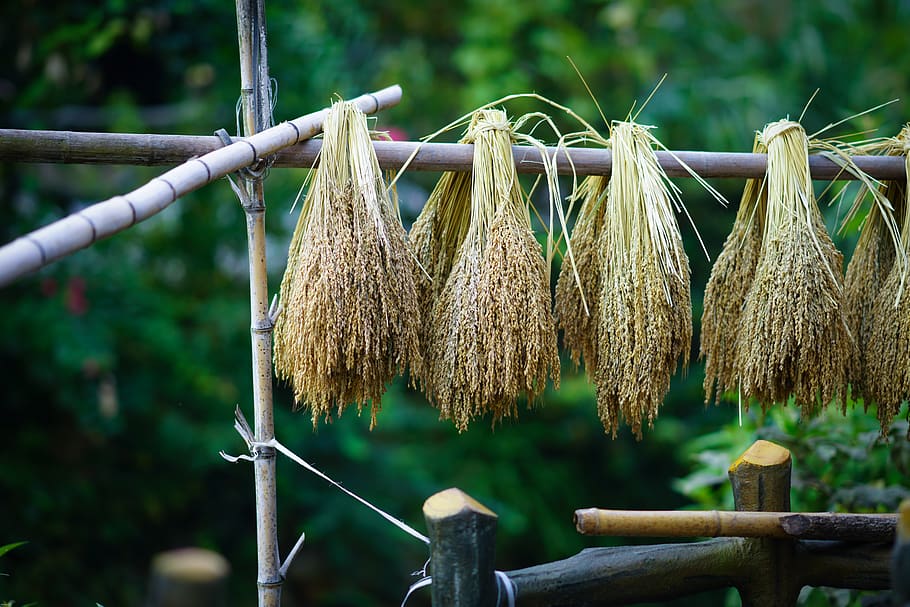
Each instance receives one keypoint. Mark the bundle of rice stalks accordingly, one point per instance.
(793, 334)
(491, 335)
(887, 351)
(872, 261)
(578, 299)
(731, 277)
(644, 317)
(350, 317)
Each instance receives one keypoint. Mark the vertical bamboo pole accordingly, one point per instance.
(256, 114)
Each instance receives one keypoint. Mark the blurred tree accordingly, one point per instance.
(123, 363)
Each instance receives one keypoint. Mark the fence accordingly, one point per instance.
(769, 569)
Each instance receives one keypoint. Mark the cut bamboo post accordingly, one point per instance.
(760, 479)
(71, 147)
(717, 523)
(188, 577)
(462, 545)
(77, 231)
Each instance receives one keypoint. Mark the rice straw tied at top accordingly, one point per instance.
(886, 374)
(793, 337)
(350, 315)
(491, 335)
(644, 324)
(731, 276)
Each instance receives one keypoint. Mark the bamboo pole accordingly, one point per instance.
(255, 101)
(70, 147)
(77, 231)
(717, 523)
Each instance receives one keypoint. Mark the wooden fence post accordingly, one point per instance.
(900, 560)
(462, 544)
(188, 577)
(761, 482)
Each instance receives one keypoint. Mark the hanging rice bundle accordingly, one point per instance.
(887, 352)
(872, 261)
(725, 292)
(350, 318)
(644, 325)
(793, 336)
(578, 299)
(491, 335)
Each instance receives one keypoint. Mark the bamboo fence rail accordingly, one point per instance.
(73, 147)
(719, 523)
(79, 230)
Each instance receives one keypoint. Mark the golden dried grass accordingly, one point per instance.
(578, 299)
(350, 314)
(869, 267)
(644, 324)
(731, 277)
(491, 335)
(886, 376)
(793, 334)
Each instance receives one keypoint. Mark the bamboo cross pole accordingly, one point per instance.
(77, 231)
(72, 147)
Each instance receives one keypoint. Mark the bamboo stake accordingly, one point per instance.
(79, 230)
(255, 99)
(717, 523)
(70, 147)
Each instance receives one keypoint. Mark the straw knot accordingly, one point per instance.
(775, 129)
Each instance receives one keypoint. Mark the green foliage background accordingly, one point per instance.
(121, 365)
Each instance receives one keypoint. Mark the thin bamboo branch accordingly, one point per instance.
(70, 147)
(715, 523)
(256, 113)
(79, 230)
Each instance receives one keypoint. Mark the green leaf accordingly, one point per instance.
(8, 547)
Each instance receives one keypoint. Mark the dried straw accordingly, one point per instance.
(871, 264)
(492, 336)
(350, 317)
(644, 324)
(887, 352)
(793, 334)
(731, 277)
(576, 299)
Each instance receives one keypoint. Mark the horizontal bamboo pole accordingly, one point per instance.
(717, 523)
(79, 230)
(160, 150)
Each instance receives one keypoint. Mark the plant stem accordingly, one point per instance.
(256, 114)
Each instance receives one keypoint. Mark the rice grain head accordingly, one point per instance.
(887, 351)
(644, 325)
(350, 315)
(870, 265)
(731, 277)
(492, 336)
(793, 335)
(577, 321)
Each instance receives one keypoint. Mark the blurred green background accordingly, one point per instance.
(122, 364)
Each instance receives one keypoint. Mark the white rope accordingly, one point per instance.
(300, 462)
(503, 581)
